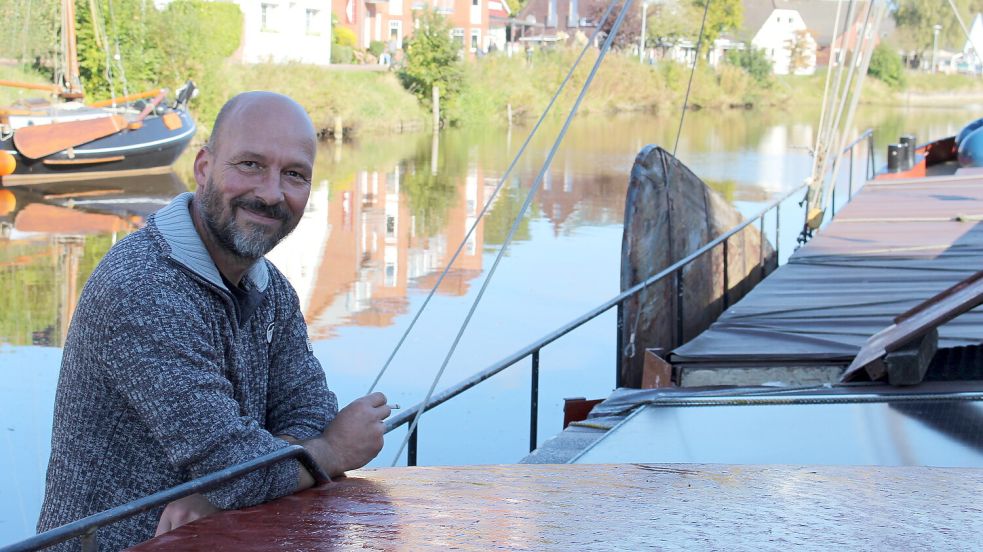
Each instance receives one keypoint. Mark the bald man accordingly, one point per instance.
(188, 352)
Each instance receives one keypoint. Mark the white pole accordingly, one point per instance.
(641, 39)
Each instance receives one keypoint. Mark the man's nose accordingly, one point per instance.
(269, 188)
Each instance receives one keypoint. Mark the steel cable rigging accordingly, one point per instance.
(515, 224)
(491, 199)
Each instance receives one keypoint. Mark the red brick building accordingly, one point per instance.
(392, 21)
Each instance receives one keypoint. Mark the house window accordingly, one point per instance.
(396, 33)
(475, 39)
(310, 22)
(457, 35)
(474, 3)
(266, 17)
(573, 17)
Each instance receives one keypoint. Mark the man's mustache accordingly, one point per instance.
(277, 211)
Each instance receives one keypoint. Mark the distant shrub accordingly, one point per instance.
(753, 61)
(376, 47)
(886, 66)
(432, 60)
(343, 36)
(342, 54)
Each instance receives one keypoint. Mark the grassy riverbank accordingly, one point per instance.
(373, 102)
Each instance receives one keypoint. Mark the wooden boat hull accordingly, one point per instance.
(670, 213)
(152, 147)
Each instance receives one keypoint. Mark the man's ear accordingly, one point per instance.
(203, 164)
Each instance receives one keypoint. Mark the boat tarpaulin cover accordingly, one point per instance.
(894, 246)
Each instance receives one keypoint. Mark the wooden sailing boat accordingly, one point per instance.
(71, 140)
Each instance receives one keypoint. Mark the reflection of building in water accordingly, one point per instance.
(360, 248)
(569, 199)
(774, 149)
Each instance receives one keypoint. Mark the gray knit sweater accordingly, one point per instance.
(160, 384)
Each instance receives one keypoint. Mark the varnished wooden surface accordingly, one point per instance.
(609, 507)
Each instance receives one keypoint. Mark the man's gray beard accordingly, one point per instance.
(249, 245)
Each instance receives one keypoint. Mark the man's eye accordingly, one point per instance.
(296, 176)
(249, 165)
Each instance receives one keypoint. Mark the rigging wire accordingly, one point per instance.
(629, 350)
(491, 198)
(815, 194)
(820, 137)
(870, 34)
(962, 25)
(696, 61)
(119, 56)
(515, 224)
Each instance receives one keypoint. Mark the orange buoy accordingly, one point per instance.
(7, 163)
(8, 202)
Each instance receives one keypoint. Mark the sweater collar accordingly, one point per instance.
(175, 225)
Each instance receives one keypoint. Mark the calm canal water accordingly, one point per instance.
(384, 217)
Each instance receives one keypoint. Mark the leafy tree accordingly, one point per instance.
(723, 16)
(799, 53)
(202, 35)
(117, 39)
(916, 19)
(671, 22)
(432, 60)
(516, 5)
(344, 36)
(886, 66)
(117, 47)
(631, 26)
(29, 32)
(753, 61)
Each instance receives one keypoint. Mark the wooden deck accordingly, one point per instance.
(608, 507)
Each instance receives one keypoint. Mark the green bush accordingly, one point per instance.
(344, 36)
(376, 47)
(342, 54)
(886, 66)
(432, 60)
(753, 61)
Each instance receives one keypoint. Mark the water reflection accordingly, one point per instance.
(51, 238)
(384, 218)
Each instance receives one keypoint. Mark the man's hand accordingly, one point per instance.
(351, 440)
(184, 510)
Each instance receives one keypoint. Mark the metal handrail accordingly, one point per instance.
(533, 348)
(86, 527)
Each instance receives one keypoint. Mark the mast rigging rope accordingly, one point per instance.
(491, 198)
(515, 224)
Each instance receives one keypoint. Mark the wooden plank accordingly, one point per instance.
(84, 160)
(61, 178)
(35, 142)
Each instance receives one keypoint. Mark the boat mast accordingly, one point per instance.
(72, 87)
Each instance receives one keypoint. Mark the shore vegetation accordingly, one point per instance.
(139, 47)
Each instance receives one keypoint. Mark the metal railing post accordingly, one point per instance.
(761, 245)
(619, 336)
(679, 306)
(873, 160)
(726, 295)
(534, 402)
(411, 446)
(778, 233)
(89, 542)
(849, 190)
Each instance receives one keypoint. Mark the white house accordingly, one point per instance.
(973, 48)
(787, 43)
(283, 30)
(286, 30)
